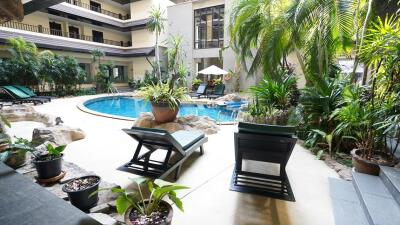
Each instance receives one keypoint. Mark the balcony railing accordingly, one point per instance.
(46, 30)
(98, 9)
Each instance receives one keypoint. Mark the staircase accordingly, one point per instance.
(367, 200)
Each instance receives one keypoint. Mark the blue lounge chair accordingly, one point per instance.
(182, 143)
(17, 96)
(31, 93)
(218, 91)
(201, 91)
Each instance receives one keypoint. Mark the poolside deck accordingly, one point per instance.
(209, 200)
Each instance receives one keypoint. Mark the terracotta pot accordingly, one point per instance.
(163, 113)
(362, 165)
(168, 220)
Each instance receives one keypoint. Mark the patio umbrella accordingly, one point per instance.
(213, 70)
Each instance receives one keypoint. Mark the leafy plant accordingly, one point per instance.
(55, 151)
(161, 93)
(217, 81)
(196, 81)
(156, 25)
(158, 190)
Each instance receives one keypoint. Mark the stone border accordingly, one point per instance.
(81, 106)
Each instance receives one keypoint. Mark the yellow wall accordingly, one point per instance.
(139, 67)
(37, 18)
(143, 38)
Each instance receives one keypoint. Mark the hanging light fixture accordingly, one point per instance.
(11, 10)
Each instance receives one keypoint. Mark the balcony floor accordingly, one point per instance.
(209, 200)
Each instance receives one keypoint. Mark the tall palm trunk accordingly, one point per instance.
(158, 58)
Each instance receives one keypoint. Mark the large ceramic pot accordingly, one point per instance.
(48, 168)
(362, 165)
(83, 198)
(165, 204)
(163, 113)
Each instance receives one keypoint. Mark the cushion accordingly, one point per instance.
(277, 130)
(187, 138)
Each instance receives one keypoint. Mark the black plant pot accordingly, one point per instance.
(80, 199)
(48, 168)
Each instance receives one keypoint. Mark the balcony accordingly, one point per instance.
(99, 10)
(46, 30)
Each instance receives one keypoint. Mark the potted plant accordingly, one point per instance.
(196, 83)
(165, 98)
(80, 191)
(49, 165)
(164, 101)
(152, 210)
(13, 154)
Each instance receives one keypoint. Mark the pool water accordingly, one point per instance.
(132, 107)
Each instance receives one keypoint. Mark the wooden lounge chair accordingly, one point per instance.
(201, 91)
(31, 93)
(17, 96)
(263, 143)
(218, 91)
(178, 145)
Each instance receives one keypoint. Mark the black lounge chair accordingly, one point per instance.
(264, 143)
(201, 91)
(181, 143)
(32, 94)
(17, 96)
(218, 91)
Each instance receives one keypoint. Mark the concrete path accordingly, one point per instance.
(209, 201)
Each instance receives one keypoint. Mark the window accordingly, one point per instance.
(97, 36)
(209, 27)
(95, 6)
(86, 68)
(118, 74)
(55, 29)
(73, 32)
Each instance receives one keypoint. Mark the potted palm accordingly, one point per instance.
(152, 210)
(165, 98)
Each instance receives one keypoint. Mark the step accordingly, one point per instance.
(346, 206)
(378, 203)
(391, 178)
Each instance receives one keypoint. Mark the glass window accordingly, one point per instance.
(209, 27)
(118, 74)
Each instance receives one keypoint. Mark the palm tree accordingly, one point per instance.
(156, 24)
(267, 31)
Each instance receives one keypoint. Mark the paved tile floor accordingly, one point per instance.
(208, 201)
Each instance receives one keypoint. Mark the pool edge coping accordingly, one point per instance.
(83, 108)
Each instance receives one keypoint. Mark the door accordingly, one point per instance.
(97, 36)
(95, 6)
(73, 32)
(55, 28)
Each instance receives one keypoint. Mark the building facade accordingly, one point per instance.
(74, 27)
(203, 27)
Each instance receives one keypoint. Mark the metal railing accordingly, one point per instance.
(46, 30)
(99, 9)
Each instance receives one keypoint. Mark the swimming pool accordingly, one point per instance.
(128, 107)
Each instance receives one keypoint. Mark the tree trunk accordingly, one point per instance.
(158, 58)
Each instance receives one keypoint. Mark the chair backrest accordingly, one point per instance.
(274, 130)
(156, 136)
(201, 89)
(25, 90)
(15, 92)
(219, 89)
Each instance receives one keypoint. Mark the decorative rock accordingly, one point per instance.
(229, 98)
(59, 135)
(103, 208)
(103, 218)
(190, 122)
(16, 113)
